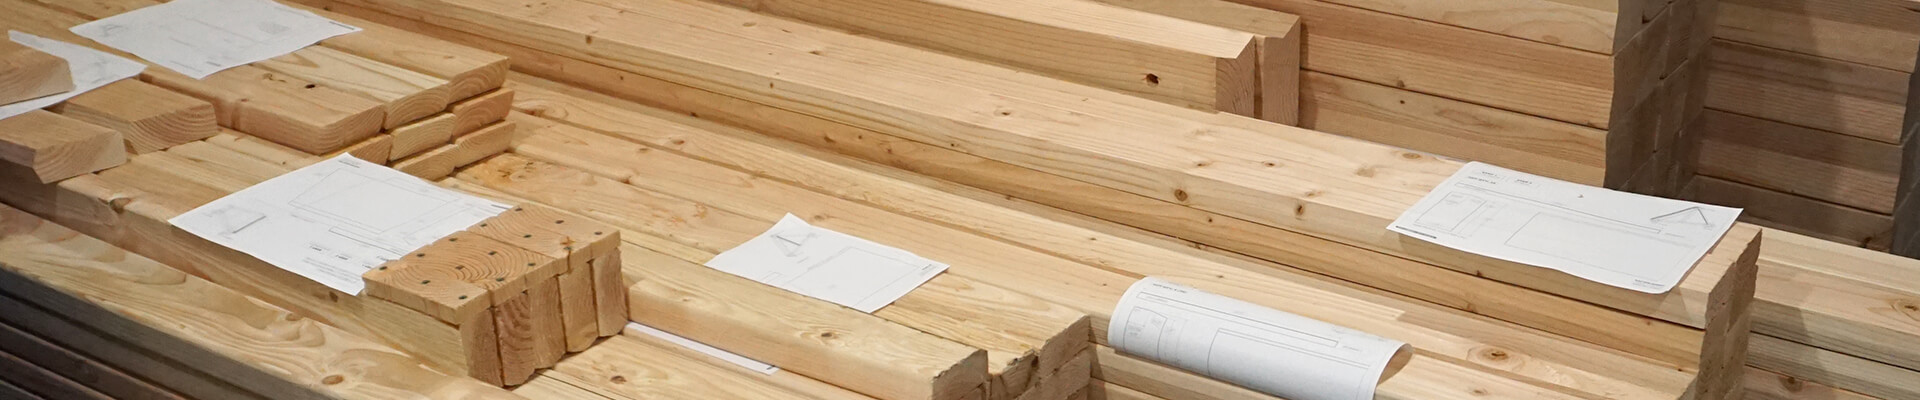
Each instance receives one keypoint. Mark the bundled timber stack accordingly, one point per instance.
(50, 147)
(26, 73)
(386, 95)
(1804, 121)
(834, 80)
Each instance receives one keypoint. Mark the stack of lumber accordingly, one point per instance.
(26, 73)
(1804, 121)
(1596, 92)
(383, 94)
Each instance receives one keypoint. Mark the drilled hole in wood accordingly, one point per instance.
(426, 282)
(1153, 79)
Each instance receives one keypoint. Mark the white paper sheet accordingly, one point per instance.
(200, 37)
(703, 348)
(1259, 348)
(1622, 239)
(91, 69)
(334, 220)
(828, 265)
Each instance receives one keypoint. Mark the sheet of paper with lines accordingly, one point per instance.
(334, 220)
(200, 37)
(828, 265)
(1622, 239)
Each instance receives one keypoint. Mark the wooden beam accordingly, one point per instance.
(1835, 96)
(469, 72)
(42, 382)
(181, 316)
(639, 367)
(799, 165)
(51, 147)
(442, 161)
(1825, 166)
(1277, 36)
(1162, 58)
(1766, 385)
(405, 96)
(1880, 33)
(1796, 214)
(481, 111)
(26, 73)
(1834, 369)
(864, 353)
(151, 118)
(421, 136)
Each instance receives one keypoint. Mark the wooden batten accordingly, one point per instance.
(48, 147)
(480, 111)
(421, 136)
(1277, 36)
(442, 161)
(468, 72)
(26, 73)
(151, 118)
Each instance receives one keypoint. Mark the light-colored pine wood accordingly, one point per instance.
(43, 382)
(142, 197)
(842, 346)
(578, 241)
(1830, 95)
(1334, 170)
(1063, 382)
(1801, 215)
(579, 315)
(1277, 36)
(404, 95)
(313, 118)
(699, 139)
(468, 149)
(51, 147)
(1845, 170)
(481, 111)
(519, 357)
(644, 368)
(378, 147)
(1881, 33)
(119, 354)
(552, 341)
(431, 286)
(1098, 390)
(1833, 369)
(1453, 128)
(26, 73)
(609, 294)
(1163, 58)
(1766, 385)
(469, 72)
(421, 136)
(185, 318)
(151, 118)
(100, 377)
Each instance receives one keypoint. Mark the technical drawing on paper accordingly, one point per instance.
(201, 37)
(1690, 216)
(827, 265)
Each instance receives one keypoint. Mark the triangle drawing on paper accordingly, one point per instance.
(1691, 216)
(791, 242)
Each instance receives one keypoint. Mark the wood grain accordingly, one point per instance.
(151, 118)
(50, 147)
(26, 73)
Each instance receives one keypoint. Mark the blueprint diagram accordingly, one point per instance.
(334, 220)
(828, 265)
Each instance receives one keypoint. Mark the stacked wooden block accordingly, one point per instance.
(386, 95)
(542, 283)
(1804, 121)
(26, 73)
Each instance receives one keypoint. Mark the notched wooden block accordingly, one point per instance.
(27, 74)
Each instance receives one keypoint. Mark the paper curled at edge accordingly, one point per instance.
(1256, 347)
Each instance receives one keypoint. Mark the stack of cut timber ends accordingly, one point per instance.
(385, 95)
(534, 287)
(1805, 115)
(1337, 194)
(1251, 68)
(26, 73)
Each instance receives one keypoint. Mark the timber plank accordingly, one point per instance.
(151, 118)
(42, 382)
(1277, 36)
(421, 136)
(186, 318)
(442, 161)
(26, 73)
(1840, 169)
(105, 379)
(1830, 95)
(481, 111)
(1163, 58)
(899, 363)
(405, 96)
(633, 367)
(1801, 215)
(50, 147)
(1881, 33)
(469, 72)
(1834, 369)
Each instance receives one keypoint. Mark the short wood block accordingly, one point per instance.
(152, 118)
(480, 111)
(421, 136)
(440, 162)
(519, 357)
(55, 147)
(27, 74)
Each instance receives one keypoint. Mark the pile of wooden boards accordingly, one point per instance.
(384, 94)
(1804, 121)
(26, 73)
